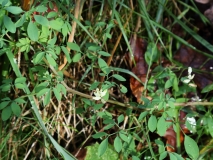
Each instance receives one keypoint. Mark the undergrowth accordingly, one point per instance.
(105, 79)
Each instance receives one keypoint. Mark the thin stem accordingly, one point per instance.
(178, 145)
(205, 149)
(149, 142)
(127, 105)
(71, 36)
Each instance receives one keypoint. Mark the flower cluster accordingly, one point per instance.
(190, 76)
(99, 94)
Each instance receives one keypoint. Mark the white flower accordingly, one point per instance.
(186, 80)
(192, 122)
(189, 73)
(196, 99)
(99, 94)
(190, 76)
(192, 85)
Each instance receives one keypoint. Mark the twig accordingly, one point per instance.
(126, 105)
(71, 36)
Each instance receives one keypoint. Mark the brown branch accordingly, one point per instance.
(71, 36)
(126, 105)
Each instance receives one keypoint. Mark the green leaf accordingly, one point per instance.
(168, 84)
(52, 41)
(53, 14)
(123, 89)
(5, 3)
(161, 126)
(208, 88)
(21, 21)
(42, 92)
(57, 50)
(159, 142)
(104, 53)
(67, 54)
(131, 143)
(172, 156)
(94, 47)
(20, 100)
(6, 98)
(123, 136)
(175, 84)
(41, 8)
(93, 119)
(109, 126)
(16, 109)
(103, 147)
(23, 48)
(100, 24)
(98, 106)
(73, 46)
(76, 57)
(14, 9)
(20, 80)
(47, 98)
(135, 158)
(127, 72)
(38, 57)
(2, 13)
(151, 54)
(105, 97)
(163, 155)
(41, 20)
(99, 135)
(5, 87)
(171, 103)
(108, 120)
(32, 31)
(162, 105)
(94, 85)
(50, 60)
(191, 147)
(87, 102)
(56, 24)
(4, 104)
(91, 153)
(9, 25)
(57, 94)
(120, 118)
(41, 86)
(19, 85)
(6, 113)
(62, 88)
(118, 77)
(152, 123)
(102, 64)
(175, 156)
(209, 124)
(142, 115)
(65, 30)
(52, 53)
(117, 144)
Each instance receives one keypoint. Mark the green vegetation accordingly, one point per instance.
(105, 79)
